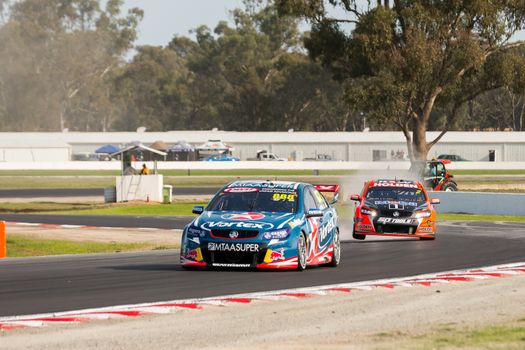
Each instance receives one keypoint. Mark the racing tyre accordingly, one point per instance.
(358, 236)
(336, 254)
(301, 253)
(449, 187)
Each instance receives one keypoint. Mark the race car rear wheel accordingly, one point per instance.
(336, 254)
(358, 236)
(301, 252)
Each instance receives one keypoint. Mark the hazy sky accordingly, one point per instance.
(165, 18)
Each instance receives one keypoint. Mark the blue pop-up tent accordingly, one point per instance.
(182, 151)
(110, 149)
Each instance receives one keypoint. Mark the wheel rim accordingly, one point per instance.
(302, 252)
(449, 189)
(337, 248)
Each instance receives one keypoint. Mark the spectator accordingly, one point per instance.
(144, 170)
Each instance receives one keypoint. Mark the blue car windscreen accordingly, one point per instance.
(283, 202)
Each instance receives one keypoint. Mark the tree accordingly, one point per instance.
(255, 76)
(53, 50)
(146, 86)
(416, 57)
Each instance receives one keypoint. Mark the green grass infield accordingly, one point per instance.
(23, 246)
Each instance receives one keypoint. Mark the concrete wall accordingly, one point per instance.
(139, 188)
(480, 203)
(34, 154)
(312, 165)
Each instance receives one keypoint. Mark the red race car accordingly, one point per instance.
(394, 208)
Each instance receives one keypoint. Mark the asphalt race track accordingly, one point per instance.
(163, 222)
(92, 192)
(51, 284)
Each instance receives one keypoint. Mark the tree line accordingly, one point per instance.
(393, 65)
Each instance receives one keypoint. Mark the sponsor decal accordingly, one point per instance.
(277, 197)
(425, 229)
(383, 220)
(240, 190)
(261, 185)
(327, 188)
(295, 223)
(274, 255)
(395, 206)
(402, 203)
(237, 224)
(279, 234)
(364, 227)
(194, 255)
(243, 216)
(429, 222)
(195, 232)
(230, 265)
(394, 184)
(233, 247)
(324, 232)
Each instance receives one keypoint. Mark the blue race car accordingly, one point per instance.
(221, 158)
(264, 225)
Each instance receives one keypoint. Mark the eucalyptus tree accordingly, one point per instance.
(404, 59)
(54, 50)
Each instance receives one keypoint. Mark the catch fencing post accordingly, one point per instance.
(2, 240)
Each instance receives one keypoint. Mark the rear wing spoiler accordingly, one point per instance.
(329, 189)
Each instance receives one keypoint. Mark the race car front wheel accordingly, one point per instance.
(301, 253)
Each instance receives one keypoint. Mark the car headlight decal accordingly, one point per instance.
(423, 214)
(368, 211)
(277, 234)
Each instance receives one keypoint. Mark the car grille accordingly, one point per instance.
(241, 234)
(390, 213)
(235, 258)
(396, 229)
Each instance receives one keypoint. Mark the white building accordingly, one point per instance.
(346, 146)
(17, 148)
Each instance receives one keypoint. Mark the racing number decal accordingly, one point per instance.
(283, 197)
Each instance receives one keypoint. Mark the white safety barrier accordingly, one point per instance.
(307, 165)
(485, 203)
(139, 188)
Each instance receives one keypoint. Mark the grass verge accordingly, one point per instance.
(22, 246)
(174, 209)
(32, 207)
(488, 172)
(184, 209)
(508, 336)
(473, 217)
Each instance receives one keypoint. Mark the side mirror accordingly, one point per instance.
(355, 197)
(198, 209)
(435, 200)
(335, 199)
(314, 213)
